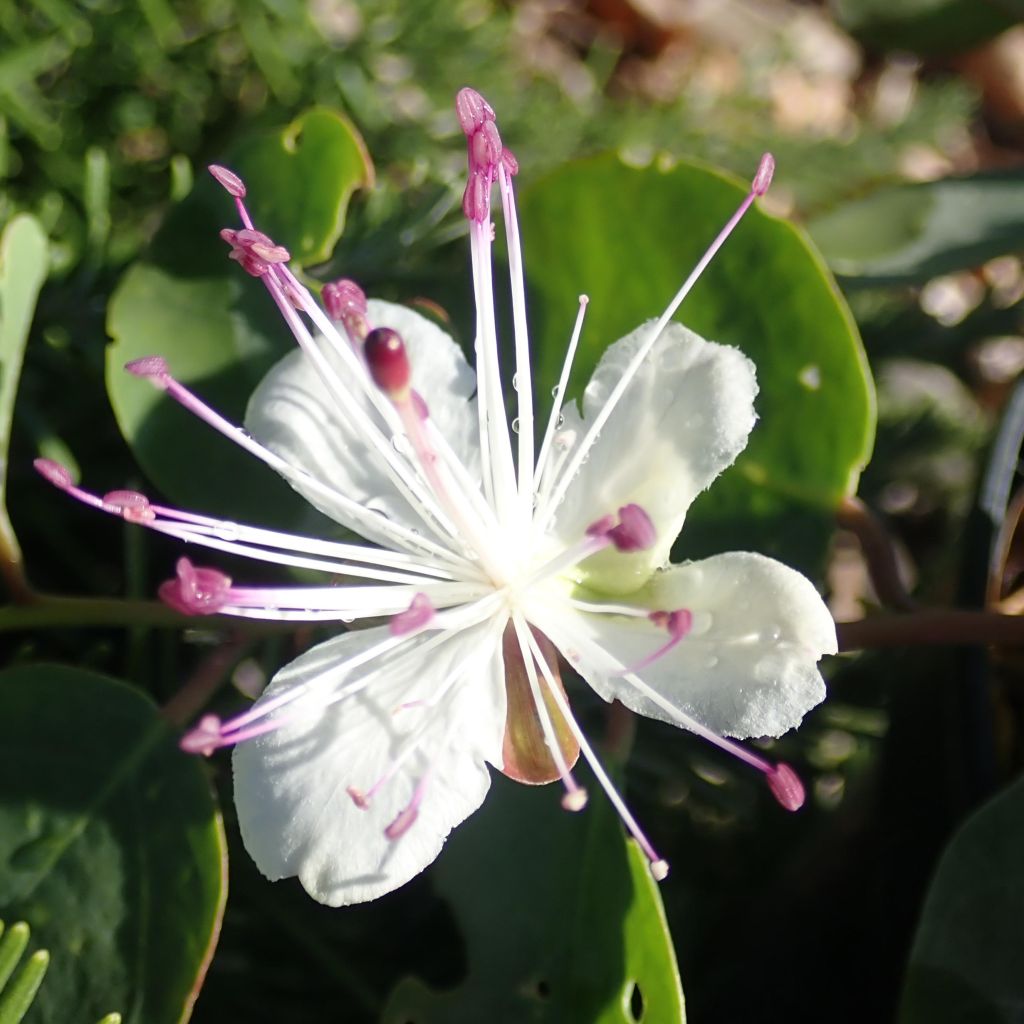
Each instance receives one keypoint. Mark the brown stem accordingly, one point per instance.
(932, 628)
(879, 552)
(204, 682)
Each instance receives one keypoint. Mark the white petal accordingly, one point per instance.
(747, 668)
(294, 811)
(294, 414)
(683, 419)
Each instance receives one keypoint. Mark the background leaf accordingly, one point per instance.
(965, 965)
(562, 921)
(601, 227)
(216, 326)
(910, 233)
(111, 848)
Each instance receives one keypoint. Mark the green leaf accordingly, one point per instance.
(24, 260)
(927, 27)
(111, 847)
(217, 327)
(910, 233)
(965, 965)
(561, 918)
(628, 236)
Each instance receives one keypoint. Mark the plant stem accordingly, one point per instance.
(933, 627)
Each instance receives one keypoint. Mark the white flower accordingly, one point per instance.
(486, 557)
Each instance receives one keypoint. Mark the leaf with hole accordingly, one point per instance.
(562, 921)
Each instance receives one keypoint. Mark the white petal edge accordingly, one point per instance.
(294, 811)
(682, 420)
(747, 669)
(294, 414)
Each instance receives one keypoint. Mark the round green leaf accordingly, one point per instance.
(217, 327)
(111, 848)
(628, 236)
(965, 965)
(562, 921)
(910, 233)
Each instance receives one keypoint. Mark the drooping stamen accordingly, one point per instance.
(677, 623)
(388, 362)
(757, 188)
(195, 590)
(345, 301)
(54, 472)
(407, 816)
(414, 618)
(658, 866)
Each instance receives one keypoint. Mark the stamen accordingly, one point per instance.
(203, 738)
(151, 368)
(388, 362)
(678, 624)
(54, 473)
(254, 251)
(195, 590)
(634, 530)
(758, 185)
(472, 110)
(414, 618)
(786, 786)
(345, 301)
(658, 866)
(232, 183)
(408, 815)
(559, 393)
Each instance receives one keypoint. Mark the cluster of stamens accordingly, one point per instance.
(458, 573)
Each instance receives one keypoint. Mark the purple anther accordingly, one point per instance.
(204, 737)
(765, 173)
(677, 624)
(359, 798)
(600, 527)
(407, 816)
(414, 618)
(231, 182)
(485, 147)
(254, 251)
(509, 162)
(388, 362)
(153, 368)
(635, 531)
(126, 499)
(472, 110)
(194, 590)
(343, 296)
(476, 200)
(786, 786)
(345, 301)
(54, 473)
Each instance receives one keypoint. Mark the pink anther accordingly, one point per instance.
(472, 110)
(414, 618)
(359, 798)
(204, 737)
(231, 182)
(195, 590)
(635, 531)
(763, 177)
(786, 786)
(54, 473)
(153, 368)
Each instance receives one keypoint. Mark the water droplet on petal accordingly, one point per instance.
(711, 661)
(515, 381)
(515, 425)
(556, 391)
(560, 421)
(700, 623)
